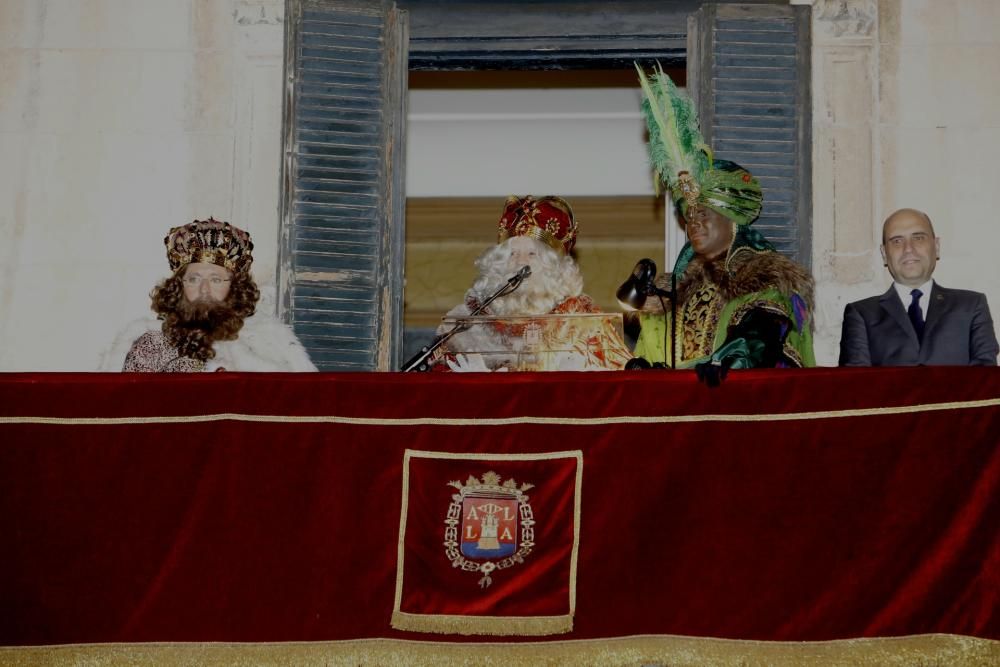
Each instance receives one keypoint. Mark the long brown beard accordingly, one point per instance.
(197, 325)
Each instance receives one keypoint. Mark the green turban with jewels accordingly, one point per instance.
(730, 190)
(683, 161)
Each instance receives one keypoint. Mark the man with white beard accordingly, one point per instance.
(538, 233)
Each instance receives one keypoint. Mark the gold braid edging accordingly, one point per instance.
(482, 625)
(677, 651)
(504, 421)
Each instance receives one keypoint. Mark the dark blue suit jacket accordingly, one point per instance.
(958, 331)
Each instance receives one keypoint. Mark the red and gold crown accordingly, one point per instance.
(547, 219)
(210, 241)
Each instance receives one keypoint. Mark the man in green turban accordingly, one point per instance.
(737, 302)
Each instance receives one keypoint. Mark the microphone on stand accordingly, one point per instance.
(521, 274)
(418, 362)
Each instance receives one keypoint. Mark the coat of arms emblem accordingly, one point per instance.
(489, 526)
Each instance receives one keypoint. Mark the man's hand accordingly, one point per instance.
(736, 353)
(470, 363)
(712, 372)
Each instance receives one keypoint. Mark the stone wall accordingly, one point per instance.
(906, 114)
(118, 120)
(122, 118)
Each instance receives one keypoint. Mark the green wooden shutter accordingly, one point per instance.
(342, 188)
(749, 71)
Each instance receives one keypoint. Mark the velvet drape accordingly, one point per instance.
(797, 505)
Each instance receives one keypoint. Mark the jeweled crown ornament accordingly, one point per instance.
(211, 241)
(546, 219)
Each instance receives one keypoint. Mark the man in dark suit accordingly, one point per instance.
(917, 322)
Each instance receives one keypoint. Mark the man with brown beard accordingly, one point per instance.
(540, 233)
(205, 312)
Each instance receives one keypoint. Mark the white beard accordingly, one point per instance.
(532, 297)
(537, 294)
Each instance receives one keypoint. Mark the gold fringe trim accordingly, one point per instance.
(676, 651)
(482, 625)
(505, 421)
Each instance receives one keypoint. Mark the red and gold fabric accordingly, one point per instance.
(802, 516)
(488, 520)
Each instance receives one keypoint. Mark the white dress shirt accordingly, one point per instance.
(925, 297)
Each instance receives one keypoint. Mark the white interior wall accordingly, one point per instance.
(519, 141)
(122, 118)
(494, 143)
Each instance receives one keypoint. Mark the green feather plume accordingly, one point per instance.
(675, 141)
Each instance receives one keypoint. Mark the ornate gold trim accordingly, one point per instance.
(677, 651)
(483, 625)
(490, 625)
(540, 235)
(504, 421)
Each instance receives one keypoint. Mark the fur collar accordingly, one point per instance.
(264, 345)
(749, 271)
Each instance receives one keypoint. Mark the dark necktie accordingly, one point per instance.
(916, 316)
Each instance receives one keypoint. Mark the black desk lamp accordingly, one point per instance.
(632, 296)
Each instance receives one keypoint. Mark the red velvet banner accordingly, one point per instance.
(784, 505)
(519, 540)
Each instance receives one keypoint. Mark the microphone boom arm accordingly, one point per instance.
(418, 362)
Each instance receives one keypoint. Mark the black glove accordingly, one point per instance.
(713, 371)
(640, 364)
(737, 353)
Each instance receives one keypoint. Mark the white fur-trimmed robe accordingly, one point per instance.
(264, 345)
